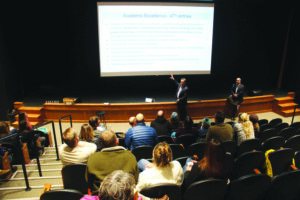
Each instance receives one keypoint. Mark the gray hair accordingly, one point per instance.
(117, 186)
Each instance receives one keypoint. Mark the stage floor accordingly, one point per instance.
(37, 98)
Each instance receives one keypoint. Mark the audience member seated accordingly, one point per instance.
(162, 170)
(87, 135)
(74, 151)
(27, 136)
(254, 119)
(118, 186)
(203, 128)
(221, 131)
(94, 123)
(161, 124)
(140, 135)
(214, 164)
(4, 173)
(132, 121)
(112, 157)
(4, 130)
(175, 123)
(243, 130)
(188, 128)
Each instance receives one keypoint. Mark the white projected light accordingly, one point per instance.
(155, 38)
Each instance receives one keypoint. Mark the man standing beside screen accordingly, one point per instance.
(181, 95)
(236, 96)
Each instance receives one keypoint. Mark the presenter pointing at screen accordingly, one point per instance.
(181, 96)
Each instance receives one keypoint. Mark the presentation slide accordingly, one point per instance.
(155, 38)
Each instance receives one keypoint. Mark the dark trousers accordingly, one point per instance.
(181, 107)
(234, 102)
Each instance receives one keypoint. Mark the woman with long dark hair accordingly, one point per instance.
(214, 164)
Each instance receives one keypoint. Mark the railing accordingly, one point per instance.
(54, 134)
(19, 150)
(60, 127)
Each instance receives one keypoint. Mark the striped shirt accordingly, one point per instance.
(140, 135)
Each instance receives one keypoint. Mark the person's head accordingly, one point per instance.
(4, 128)
(118, 186)
(243, 117)
(160, 113)
(70, 137)
(244, 120)
(174, 116)
(188, 122)
(139, 118)
(94, 121)
(183, 82)
(214, 161)
(253, 118)
(162, 154)
(219, 117)
(132, 121)
(86, 133)
(238, 80)
(24, 127)
(206, 123)
(108, 139)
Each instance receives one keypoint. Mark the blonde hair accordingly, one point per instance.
(244, 120)
(69, 137)
(162, 154)
(86, 133)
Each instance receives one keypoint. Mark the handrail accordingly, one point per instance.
(60, 127)
(54, 134)
(19, 150)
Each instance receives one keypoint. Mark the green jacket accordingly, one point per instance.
(102, 163)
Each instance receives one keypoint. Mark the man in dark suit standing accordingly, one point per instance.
(181, 95)
(236, 96)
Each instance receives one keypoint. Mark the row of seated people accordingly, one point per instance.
(35, 140)
(216, 164)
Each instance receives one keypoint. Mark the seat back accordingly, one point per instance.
(62, 194)
(297, 159)
(177, 150)
(293, 143)
(246, 163)
(122, 142)
(230, 147)
(196, 149)
(275, 121)
(165, 138)
(266, 134)
(159, 190)
(273, 143)
(263, 121)
(264, 127)
(249, 187)
(285, 186)
(296, 125)
(287, 132)
(281, 126)
(281, 160)
(74, 177)
(186, 140)
(182, 160)
(213, 189)
(142, 152)
(248, 145)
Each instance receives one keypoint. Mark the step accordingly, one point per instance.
(16, 124)
(283, 100)
(287, 106)
(31, 117)
(289, 113)
(31, 110)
